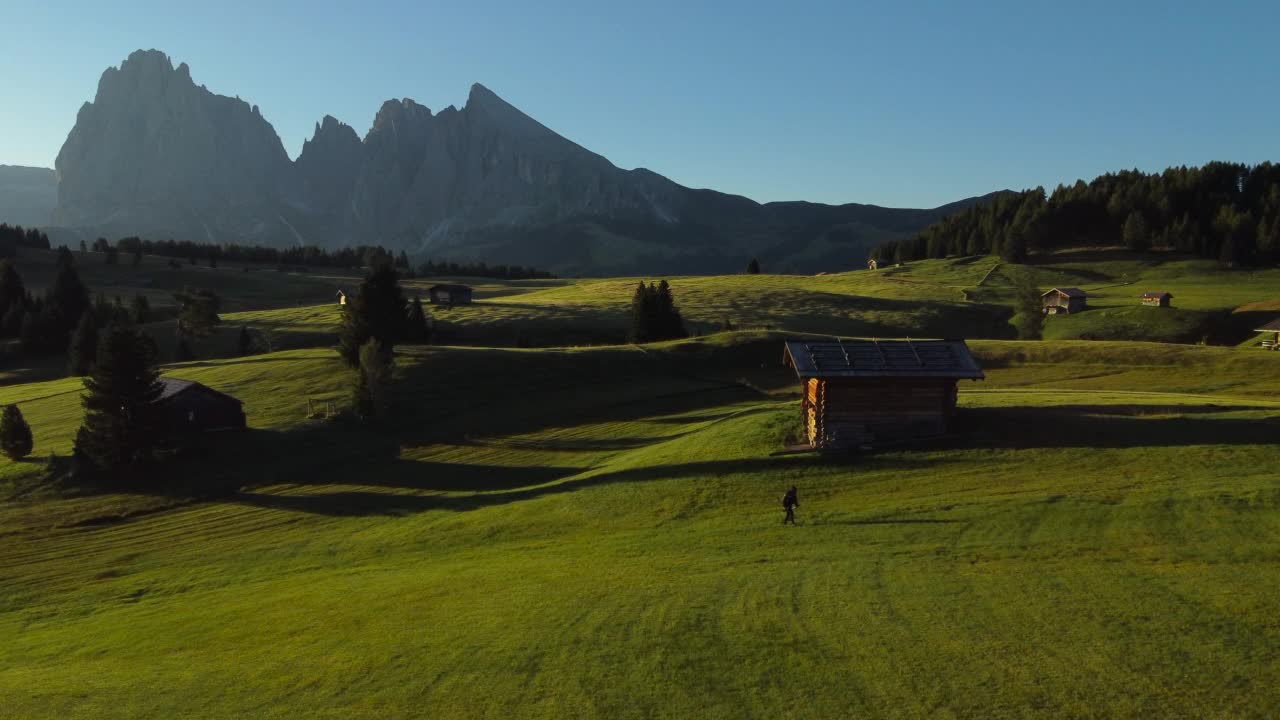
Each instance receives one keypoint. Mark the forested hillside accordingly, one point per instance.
(1224, 211)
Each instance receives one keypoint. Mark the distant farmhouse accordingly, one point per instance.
(1271, 327)
(860, 393)
(450, 294)
(1060, 301)
(187, 407)
(343, 295)
(1156, 299)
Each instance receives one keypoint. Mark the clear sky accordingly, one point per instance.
(894, 103)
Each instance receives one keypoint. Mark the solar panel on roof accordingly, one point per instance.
(884, 358)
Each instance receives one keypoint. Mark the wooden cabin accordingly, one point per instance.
(344, 295)
(1156, 299)
(189, 407)
(1063, 301)
(863, 393)
(1272, 343)
(448, 294)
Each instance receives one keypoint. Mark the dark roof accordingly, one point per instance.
(1157, 294)
(1273, 326)
(1069, 292)
(172, 387)
(449, 286)
(344, 291)
(882, 358)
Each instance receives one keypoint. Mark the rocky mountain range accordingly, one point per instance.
(27, 195)
(156, 155)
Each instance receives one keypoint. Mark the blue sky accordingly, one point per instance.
(903, 104)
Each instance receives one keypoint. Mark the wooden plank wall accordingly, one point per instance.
(850, 413)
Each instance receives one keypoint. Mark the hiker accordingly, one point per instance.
(790, 502)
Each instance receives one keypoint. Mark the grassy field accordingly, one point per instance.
(595, 533)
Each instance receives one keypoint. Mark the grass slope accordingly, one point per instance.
(594, 533)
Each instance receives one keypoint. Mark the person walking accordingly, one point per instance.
(790, 503)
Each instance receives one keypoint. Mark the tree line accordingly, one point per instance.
(1224, 211)
(367, 256)
(13, 237)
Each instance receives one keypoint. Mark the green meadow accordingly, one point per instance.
(554, 524)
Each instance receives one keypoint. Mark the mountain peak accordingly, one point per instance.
(482, 95)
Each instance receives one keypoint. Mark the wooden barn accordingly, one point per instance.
(1156, 299)
(1063, 301)
(188, 407)
(860, 393)
(1272, 343)
(448, 294)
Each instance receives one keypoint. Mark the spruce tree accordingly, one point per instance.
(68, 293)
(1135, 232)
(753, 267)
(11, 323)
(378, 311)
(641, 315)
(418, 328)
(1028, 315)
(197, 312)
(120, 427)
(373, 382)
(84, 346)
(245, 343)
(140, 311)
(15, 434)
(670, 323)
(12, 291)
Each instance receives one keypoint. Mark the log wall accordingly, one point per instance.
(842, 413)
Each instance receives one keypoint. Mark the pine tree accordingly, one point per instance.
(753, 267)
(1028, 315)
(418, 327)
(84, 346)
(140, 311)
(671, 325)
(68, 293)
(11, 323)
(120, 427)
(197, 312)
(378, 311)
(12, 291)
(373, 381)
(245, 343)
(1135, 232)
(641, 316)
(15, 434)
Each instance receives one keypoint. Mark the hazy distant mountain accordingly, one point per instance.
(156, 155)
(27, 195)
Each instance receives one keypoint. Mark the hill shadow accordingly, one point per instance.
(1098, 426)
(346, 503)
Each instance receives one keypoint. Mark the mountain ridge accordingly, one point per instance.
(156, 155)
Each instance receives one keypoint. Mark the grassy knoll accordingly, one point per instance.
(595, 533)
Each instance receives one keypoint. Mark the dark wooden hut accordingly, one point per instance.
(861, 393)
(187, 407)
(1272, 343)
(1156, 299)
(1063, 301)
(449, 294)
